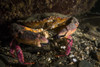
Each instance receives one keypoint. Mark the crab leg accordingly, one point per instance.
(12, 51)
(19, 53)
(70, 42)
(69, 45)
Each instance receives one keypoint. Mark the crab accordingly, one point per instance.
(36, 29)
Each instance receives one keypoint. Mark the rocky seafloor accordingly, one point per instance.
(85, 50)
(86, 47)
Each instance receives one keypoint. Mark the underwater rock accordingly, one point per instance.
(84, 63)
(2, 64)
(19, 8)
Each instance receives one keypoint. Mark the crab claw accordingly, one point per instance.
(67, 31)
(70, 28)
(70, 42)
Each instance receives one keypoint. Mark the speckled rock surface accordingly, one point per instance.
(23, 8)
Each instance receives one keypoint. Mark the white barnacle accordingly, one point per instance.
(63, 47)
(74, 60)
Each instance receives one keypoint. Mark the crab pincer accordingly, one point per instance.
(24, 36)
(68, 31)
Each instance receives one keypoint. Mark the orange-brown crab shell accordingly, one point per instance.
(46, 23)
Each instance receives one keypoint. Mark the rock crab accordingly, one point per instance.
(36, 30)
